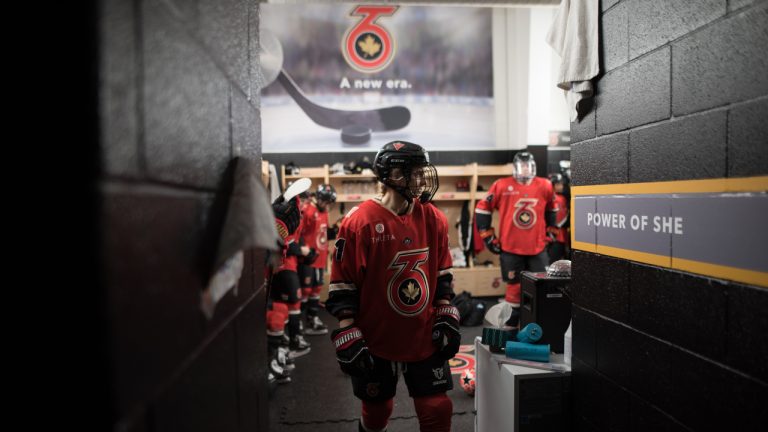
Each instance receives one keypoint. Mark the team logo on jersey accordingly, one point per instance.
(489, 198)
(379, 228)
(408, 287)
(368, 46)
(407, 241)
(510, 188)
(525, 213)
(322, 237)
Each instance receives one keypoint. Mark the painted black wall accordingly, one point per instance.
(684, 96)
(178, 100)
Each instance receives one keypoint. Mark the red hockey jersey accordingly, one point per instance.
(393, 263)
(289, 262)
(315, 232)
(562, 214)
(522, 208)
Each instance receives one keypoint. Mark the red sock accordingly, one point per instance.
(376, 414)
(434, 412)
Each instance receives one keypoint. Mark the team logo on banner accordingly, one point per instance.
(368, 46)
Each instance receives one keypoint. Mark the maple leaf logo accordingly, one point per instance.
(411, 291)
(369, 46)
(525, 217)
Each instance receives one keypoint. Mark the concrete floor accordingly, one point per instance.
(320, 399)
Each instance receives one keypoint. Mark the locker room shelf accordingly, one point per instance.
(478, 280)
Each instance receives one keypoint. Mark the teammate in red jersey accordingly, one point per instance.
(287, 221)
(525, 204)
(284, 280)
(311, 268)
(391, 290)
(558, 234)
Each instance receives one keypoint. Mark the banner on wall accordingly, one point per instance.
(355, 77)
(711, 227)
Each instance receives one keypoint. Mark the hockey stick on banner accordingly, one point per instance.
(349, 122)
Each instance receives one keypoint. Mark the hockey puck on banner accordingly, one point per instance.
(355, 134)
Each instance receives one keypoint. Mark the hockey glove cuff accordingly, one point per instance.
(491, 242)
(351, 353)
(287, 216)
(445, 332)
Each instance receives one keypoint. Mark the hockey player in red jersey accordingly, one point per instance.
(287, 221)
(525, 204)
(311, 268)
(391, 286)
(558, 234)
(284, 281)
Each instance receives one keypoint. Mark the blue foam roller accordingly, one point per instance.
(530, 333)
(526, 351)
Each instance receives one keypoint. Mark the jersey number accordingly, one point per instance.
(408, 287)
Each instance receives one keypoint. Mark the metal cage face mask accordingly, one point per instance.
(423, 183)
(525, 170)
(415, 182)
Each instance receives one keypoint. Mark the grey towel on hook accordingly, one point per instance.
(249, 223)
(574, 36)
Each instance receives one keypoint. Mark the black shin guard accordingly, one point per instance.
(313, 307)
(294, 322)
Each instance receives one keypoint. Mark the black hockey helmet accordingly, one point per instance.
(326, 192)
(415, 178)
(555, 178)
(525, 167)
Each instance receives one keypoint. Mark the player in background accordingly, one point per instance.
(558, 234)
(311, 268)
(526, 207)
(284, 280)
(391, 286)
(287, 221)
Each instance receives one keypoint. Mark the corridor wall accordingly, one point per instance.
(684, 96)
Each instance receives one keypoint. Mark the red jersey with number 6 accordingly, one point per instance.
(392, 262)
(522, 208)
(315, 232)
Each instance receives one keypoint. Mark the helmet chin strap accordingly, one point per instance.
(404, 192)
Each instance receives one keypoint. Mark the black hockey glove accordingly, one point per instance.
(310, 257)
(445, 331)
(351, 352)
(287, 216)
(491, 242)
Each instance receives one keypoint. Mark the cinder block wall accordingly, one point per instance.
(178, 100)
(684, 96)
